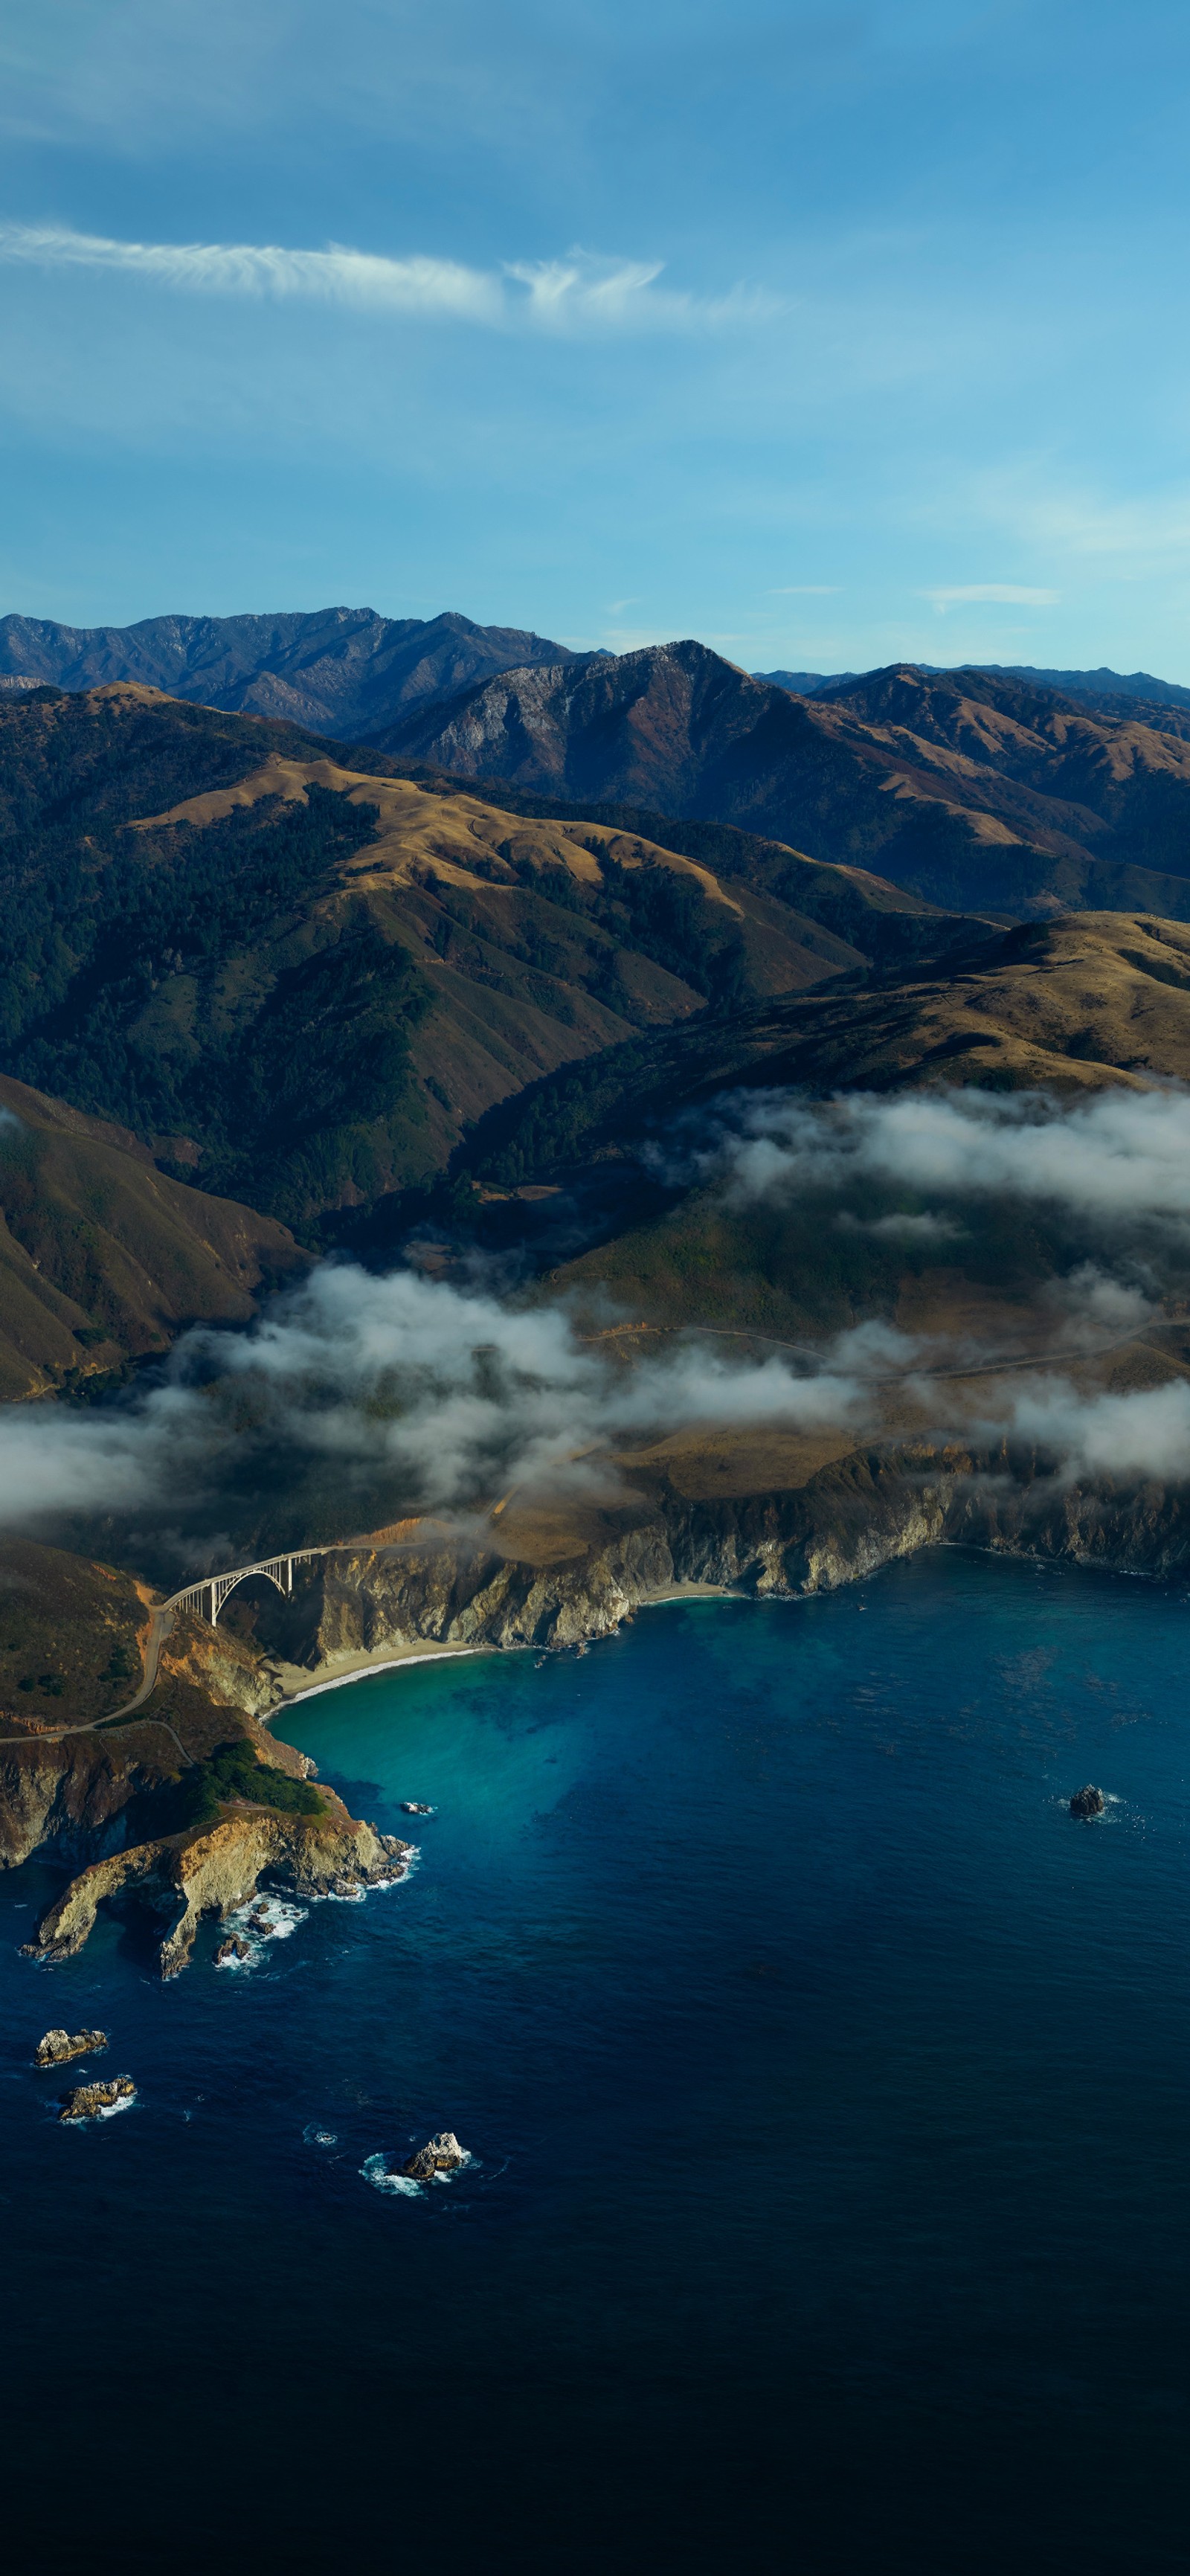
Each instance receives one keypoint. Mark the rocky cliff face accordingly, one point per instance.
(182, 1877)
(850, 1519)
(71, 1793)
(67, 1793)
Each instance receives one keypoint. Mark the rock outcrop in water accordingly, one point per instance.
(88, 2100)
(1087, 1802)
(59, 2046)
(442, 2154)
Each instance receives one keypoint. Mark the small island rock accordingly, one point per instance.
(443, 2154)
(60, 2045)
(87, 2100)
(232, 1948)
(415, 1807)
(1087, 1802)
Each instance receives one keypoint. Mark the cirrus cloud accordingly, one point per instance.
(581, 292)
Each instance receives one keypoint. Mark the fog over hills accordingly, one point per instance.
(342, 670)
(436, 1024)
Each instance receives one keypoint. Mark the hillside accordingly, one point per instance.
(342, 671)
(103, 1259)
(977, 792)
(1064, 1006)
(298, 981)
(72, 1637)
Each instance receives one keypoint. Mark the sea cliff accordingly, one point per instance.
(182, 1877)
(846, 1521)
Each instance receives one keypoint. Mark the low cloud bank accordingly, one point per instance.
(438, 1397)
(1120, 1157)
(451, 1393)
(1143, 1435)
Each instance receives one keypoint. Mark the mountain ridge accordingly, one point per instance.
(976, 792)
(300, 980)
(338, 670)
(1103, 689)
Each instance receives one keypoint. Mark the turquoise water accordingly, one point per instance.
(826, 2086)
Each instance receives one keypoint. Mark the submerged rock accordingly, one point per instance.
(59, 2045)
(443, 2154)
(88, 2100)
(1087, 1802)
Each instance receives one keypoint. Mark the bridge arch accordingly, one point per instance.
(224, 1585)
(207, 1596)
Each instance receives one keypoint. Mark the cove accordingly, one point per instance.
(826, 2086)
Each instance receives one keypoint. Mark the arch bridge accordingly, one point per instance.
(207, 1598)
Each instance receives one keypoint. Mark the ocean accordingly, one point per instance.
(826, 2089)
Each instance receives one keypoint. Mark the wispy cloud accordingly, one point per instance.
(1005, 594)
(581, 292)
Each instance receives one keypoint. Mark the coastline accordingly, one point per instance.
(387, 1659)
(356, 1668)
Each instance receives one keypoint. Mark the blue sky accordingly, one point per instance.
(828, 333)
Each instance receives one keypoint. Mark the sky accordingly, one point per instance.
(831, 334)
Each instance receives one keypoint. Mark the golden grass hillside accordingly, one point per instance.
(479, 898)
(1063, 1008)
(102, 1258)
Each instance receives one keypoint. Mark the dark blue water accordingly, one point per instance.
(829, 2095)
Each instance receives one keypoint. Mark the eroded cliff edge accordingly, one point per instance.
(182, 1810)
(527, 1588)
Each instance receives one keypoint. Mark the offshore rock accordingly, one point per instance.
(88, 2100)
(233, 1948)
(442, 2154)
(181, 1877)
(1087, 1802)
(59, 2046)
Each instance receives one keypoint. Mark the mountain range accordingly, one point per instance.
(1109, 693)
(344, 671)
(264, 991)
(976, 792)
(244, 972)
